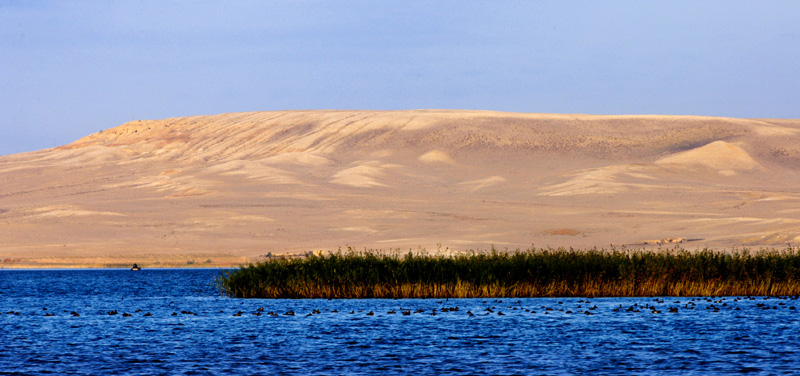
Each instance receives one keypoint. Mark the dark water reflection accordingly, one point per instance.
(190, 329)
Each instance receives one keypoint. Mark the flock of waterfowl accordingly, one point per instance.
(496, 307)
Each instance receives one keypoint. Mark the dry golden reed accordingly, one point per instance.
(531, 273)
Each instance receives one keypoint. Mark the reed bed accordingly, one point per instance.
(530, 273)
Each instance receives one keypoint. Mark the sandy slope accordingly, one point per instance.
(224, 189)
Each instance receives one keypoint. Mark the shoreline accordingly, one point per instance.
(117, 266)
(189, 261)
(80, 263)
(151, 261)
(33, 269)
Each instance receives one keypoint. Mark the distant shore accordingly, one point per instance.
(151, 262)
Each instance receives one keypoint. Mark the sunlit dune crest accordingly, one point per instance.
(436, 156)
(721, 156)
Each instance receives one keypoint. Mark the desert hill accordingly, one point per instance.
(224, 189)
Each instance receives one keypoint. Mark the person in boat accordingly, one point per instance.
(136, 267)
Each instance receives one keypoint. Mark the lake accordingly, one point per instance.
(174, 321)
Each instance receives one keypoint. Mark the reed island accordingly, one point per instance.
(535, 272)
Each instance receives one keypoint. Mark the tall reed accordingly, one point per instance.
(531, 273)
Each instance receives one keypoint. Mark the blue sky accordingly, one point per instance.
(68, 69)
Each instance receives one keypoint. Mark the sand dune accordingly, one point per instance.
(436, 156)
(223, 189)
(725, 158)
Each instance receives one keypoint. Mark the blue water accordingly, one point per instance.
(192, 330)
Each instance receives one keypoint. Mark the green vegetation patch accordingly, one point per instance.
(531, 273)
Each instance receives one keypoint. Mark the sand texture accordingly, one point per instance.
(227, 189)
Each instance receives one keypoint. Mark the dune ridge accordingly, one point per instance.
(238, 186)
(725, 158)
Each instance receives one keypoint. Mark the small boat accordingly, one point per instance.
(136, 267)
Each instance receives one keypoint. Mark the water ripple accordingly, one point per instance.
(174, 321)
